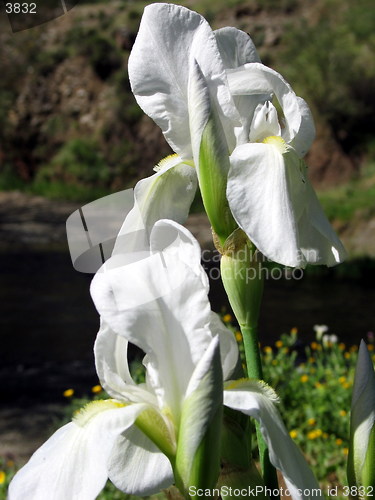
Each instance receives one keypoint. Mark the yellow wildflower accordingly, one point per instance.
(318, 385)
(279, 343)
(293, 434)
(353, 348)
(68, 393)
(3, 477)
(342, 346)
(96, 389)
(342, 379)
(267, 349)
(304, 378)
(311, 421)
(339, 441)
(314, 346)
(346, 451)
(227, 318)
(294, 330)
(346, 355)
(342, 413)
(238, 336)
(311, 360)
(370, 347)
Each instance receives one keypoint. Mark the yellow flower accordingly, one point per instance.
(314, 434)
(3, 477)
(96, 389)
(311, 421)
(370, 347)
(346, 385)
(68, 393)
(294, 330)
(311, 360)
(342, 379)
(314, 346)
(304, 378)
(342, 346)
(342, 413)
(279, 343)
(346, 451)
(346, 355)
(339, 441)
(267, 349)
(353, 348)
(318, 385)
(286, 350)
(293, 434)
(227, 318)
(238, 336)
(319, 432)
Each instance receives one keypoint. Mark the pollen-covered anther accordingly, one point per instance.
(165, 162)
(92, 409)
(278, 142)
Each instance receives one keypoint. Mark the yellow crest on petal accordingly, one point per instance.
(278, 142)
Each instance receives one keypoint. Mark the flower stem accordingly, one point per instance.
(254, 370)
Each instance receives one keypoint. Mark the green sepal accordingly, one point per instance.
(151, 423)
(212, 174)
(197, 461)
(368, 469)
(241, 273)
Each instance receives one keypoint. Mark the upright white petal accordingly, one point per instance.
(169, 37)
(251, 398)
(228, 345)
(160, 304)
(306, 133)
(255, 78)
(112, 367)
(73, 463)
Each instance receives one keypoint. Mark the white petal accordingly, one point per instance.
(73, 463)
(160, 304)
(253, 400)
(236, 47)
(259, 196)
(363, 407)
(228, 345)
(169, 37)
(137, 467)
(265, 122)
(167, 194)
(306, 133)
(255, 78)
(318, 241)
(112, 367)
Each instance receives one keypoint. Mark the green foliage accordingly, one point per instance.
(78, 162)
(343, 202)
(330, 63)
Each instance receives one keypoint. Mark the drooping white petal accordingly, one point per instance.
(137, 466)
(259, 195)
(169, 36)
(161, 305)
(306, 133)
(167, 194)
(318, 241)
(251, 398)
(362, 413)
(228, 345)
(73, 463)
(112, 367)
(255, 78)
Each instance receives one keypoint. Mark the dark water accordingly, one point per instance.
(48, 323)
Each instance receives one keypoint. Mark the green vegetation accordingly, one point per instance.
(355, 197)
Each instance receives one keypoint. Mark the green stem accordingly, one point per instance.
(254, 370)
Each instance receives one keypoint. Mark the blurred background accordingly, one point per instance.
(71, 131)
